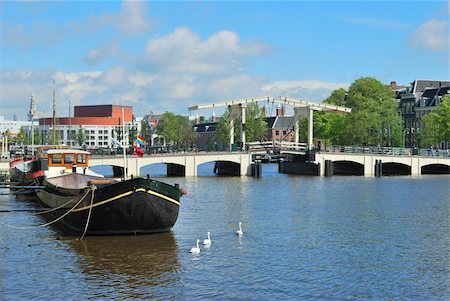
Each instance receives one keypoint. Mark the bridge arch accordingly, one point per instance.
(350, 168)
(435, 169)
(395, 169)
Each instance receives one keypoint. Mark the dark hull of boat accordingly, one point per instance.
(135, 206)
(32, 176)
(25, 179)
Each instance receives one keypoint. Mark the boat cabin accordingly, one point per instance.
(67, 158)
(62, 161)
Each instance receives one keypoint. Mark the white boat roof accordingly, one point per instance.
(67, 151)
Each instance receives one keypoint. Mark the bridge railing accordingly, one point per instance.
(394, 151)
(264, 146)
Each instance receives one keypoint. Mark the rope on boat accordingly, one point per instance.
(92, 188)
(53, 209)
(52, 222)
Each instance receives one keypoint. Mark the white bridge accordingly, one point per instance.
(182, 164)
(186, 164)
(408, 165)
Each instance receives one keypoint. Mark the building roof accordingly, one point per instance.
(205, 127)
(419, 85)
(280, 122)
(430, 95)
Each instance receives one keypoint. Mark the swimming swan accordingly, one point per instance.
(239, 231)
(195, 250)
(207, 241)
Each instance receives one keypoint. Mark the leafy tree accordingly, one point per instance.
(374, 119)
(176, 129)
(436, 125)
(37, 136)
(81, 136)
(132, 136)
(255, 126)
(22, 136)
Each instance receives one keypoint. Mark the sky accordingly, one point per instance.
(160, 56)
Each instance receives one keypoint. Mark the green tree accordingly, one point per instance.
(22, 137)
(132, 136)
(255, 126)
(436, 125)
(37, 136)
(81, 136)
(176, 129)
(374, 119)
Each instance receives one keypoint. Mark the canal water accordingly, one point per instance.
(305, 238)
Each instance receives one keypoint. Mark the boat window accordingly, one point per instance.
(57, 159)
(69, 159)
(81, 159)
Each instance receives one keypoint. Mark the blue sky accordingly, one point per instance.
(165, 56)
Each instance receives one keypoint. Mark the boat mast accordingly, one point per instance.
(54, 115)
(125, 173)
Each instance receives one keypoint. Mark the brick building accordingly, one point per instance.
(99, 123)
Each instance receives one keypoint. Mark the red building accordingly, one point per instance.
(99, 122)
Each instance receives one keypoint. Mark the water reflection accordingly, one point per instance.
(128, 266)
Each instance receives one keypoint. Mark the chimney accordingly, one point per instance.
(280, 111)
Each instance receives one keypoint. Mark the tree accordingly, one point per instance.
(176, 129)
(374, 119)
(436, 125)
(255, 126)
(81, 136)
(22, 137)
(37, 136)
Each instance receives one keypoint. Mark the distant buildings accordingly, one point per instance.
(98, 123)
(13, 126)
(416, 100)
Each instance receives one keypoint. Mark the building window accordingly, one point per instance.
(277, 133)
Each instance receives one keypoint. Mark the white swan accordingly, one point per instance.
(239, 231)
(195, 250)
(207, 241)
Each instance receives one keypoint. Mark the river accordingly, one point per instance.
(305, 238)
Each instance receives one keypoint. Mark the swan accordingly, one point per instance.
(239, 231)
(195, 250)
(207, 241)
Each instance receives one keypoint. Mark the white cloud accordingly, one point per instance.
(144, 91)
(183, 51)
(314, 90)
(94, 56)
(432, 35)
(390, 24)
(130, 20)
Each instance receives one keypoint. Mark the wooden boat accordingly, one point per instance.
(25, 171)
(84, 202)
(28, 170)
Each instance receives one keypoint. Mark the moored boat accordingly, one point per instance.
(83, 202)
(25, 171)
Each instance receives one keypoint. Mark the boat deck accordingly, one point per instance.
(73, 180)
